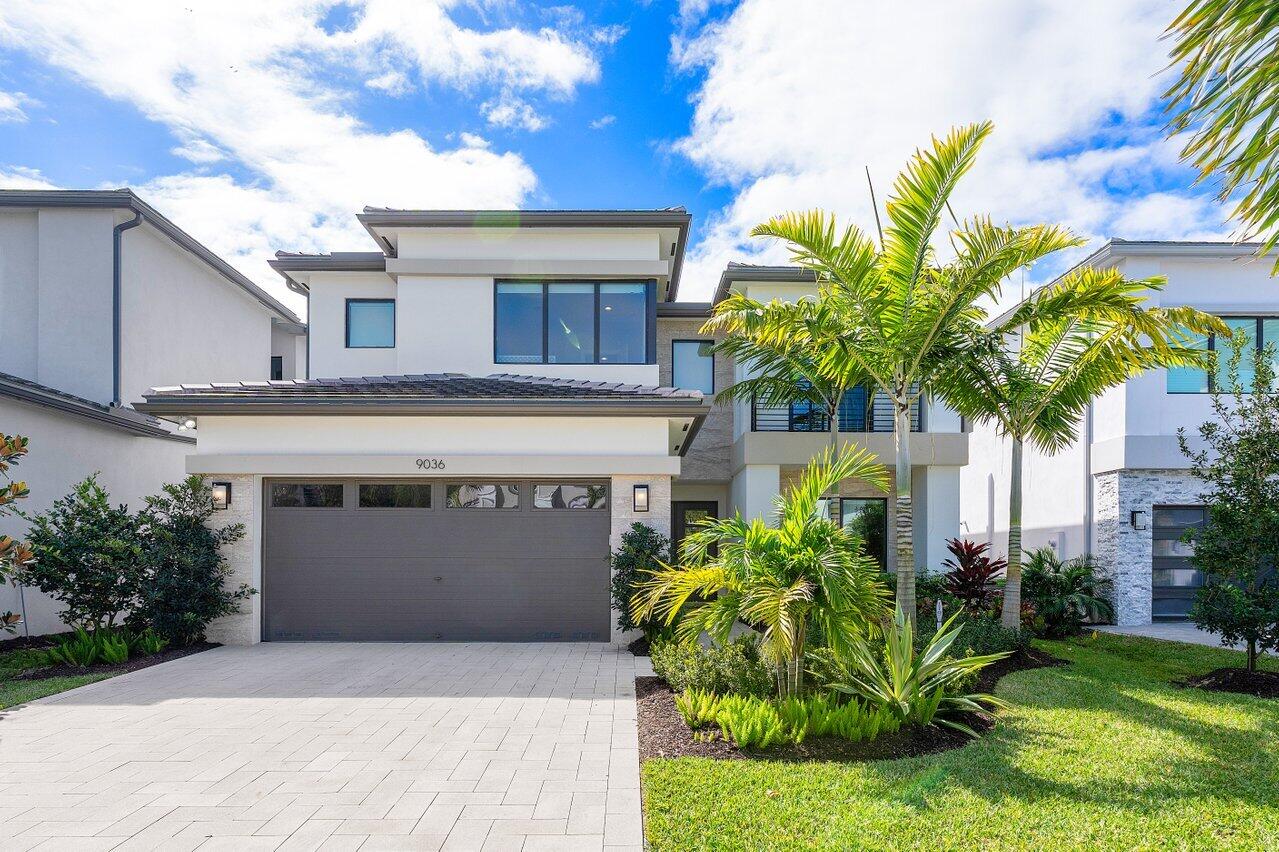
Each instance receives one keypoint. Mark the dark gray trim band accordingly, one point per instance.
(125, 419)
(784, 274)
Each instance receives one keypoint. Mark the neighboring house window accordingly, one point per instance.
(573, 322)
(1258, 331)
(370, 323)
(867, 518)
(277, 367)
(693, 365)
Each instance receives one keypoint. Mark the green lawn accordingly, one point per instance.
(1102, 754)
(18, 691)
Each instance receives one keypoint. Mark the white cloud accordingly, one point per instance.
(21, 177)
(510, 111)
(11, 106)
(603, 121)
(393, 82)
(256, 88)
(797, 99)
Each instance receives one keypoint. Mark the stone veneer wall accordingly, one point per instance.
(1124, 553)
(242, 628)
(623, 515)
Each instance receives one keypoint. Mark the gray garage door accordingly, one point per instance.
(363, 560)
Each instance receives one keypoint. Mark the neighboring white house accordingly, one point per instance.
(1122, 492)
(101, 298)
(494, 398)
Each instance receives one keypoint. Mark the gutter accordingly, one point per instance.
(181, 405)
(116, 241)
(125, 419)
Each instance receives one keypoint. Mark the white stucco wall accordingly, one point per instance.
(65, 449)
(292, 350)
(182, 322)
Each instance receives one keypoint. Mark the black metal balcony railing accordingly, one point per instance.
(859, 411)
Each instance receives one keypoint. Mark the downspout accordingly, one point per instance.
(1088, 483)
(304, 291)
(115, 303)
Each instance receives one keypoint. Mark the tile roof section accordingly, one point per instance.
(126, 419)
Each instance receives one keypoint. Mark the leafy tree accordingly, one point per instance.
(643, 551)
(804, 571)
(185, 585)
(14, 555)
(88, 556)
(1227, 98)
(1036, 373)
(896, 316)
(1238, 546)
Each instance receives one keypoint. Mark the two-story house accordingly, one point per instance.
(101, 298)
(494, 399)
(1122, 491)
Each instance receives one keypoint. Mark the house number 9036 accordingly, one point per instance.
(430, 464)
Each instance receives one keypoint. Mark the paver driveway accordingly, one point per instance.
(372, 746)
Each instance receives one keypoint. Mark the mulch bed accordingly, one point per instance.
(640, 647)
(1241, 681)
(662, 732)
(132, 664)
(23, 643)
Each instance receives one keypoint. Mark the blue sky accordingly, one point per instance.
(266, 125)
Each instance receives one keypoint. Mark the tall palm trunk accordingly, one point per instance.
(904, 526)
(1012, 587)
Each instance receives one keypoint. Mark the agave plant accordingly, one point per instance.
(917, 688)
(971, 573)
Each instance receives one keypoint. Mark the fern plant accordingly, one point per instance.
(698, 707)
(80, 650)
(915, 688)
(113, 647)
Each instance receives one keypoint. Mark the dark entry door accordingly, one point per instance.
(688, 515)
(1175, 582)
(475, 559)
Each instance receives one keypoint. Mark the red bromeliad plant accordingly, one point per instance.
(971, 574)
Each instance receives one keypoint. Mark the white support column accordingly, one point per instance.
(755, 489)
(941, 513)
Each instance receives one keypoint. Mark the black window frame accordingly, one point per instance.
(429, 486)
(692, 340)
(1259, 338)
(347, 315)
(650, 319)
(514, 486)
(272, 484)
(277, 368)
(537, 483)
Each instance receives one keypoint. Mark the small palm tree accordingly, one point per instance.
(806, 570)
(1035, 374)
(895, 315)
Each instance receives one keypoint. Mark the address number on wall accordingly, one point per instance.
(430, 464)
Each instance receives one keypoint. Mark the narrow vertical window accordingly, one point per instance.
(518, 324)
(570, 323)
(623, 323)
(693, 365)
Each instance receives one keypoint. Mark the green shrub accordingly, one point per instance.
(82, 649)
(113, 647)
(760, 723)
(146, 642)
(698, 708)
(186, 575)
(735, 668)
(1063, 595)
(643, 550)
(88, 556)
(980, 636)
(914, 686)
(751, 723)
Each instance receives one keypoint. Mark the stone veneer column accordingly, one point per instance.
(243, 557)
(623, 515)
(1124, 553)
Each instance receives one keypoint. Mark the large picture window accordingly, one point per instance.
(1257, 331)
(867, 518)
(370, 323)
(573, 322)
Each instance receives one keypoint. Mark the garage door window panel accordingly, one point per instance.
(557, 495)
(394, 495)
(482, 495)
(306, 495)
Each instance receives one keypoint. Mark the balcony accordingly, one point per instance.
(859, 411)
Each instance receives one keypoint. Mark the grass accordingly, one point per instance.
(14, 692)
(1102, 754)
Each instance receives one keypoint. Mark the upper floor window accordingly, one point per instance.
(573, 322)
(693, 365)
(1257, 332)
(370, 323)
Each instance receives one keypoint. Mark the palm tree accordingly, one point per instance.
(805, 570)
(898, 312)
(1035, 374)
(1227, 98)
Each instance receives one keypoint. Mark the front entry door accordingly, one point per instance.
(1175, 581)
(688, 515)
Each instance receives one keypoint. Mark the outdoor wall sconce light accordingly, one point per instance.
(639, 498)
(221, 495)
(186, 424)
(1139, 520)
